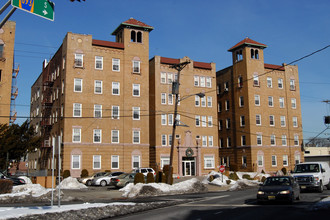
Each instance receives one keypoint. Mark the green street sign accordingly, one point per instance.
(42, 8)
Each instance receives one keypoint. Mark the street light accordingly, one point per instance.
(175, 90)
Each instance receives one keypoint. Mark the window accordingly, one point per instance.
(136, 113)
(139, 37)
(281, 100)
(76, 135)
(296, 140)
(203, 101)
(136, 90)
(210, 141)
(170, 99)
(114, 162)
(97, 162)
(164, 140)
(204, 141)
(163, 98)
(196, 80)
(280, 83)
(197, 120)
(228, 123)
(208, 82)
(283, 140)
(210, 121)
(282, 121)
(78, 60)
(255, 80)
(164, 161)
(295, 121)
(258, 119)
(272, 140)
(293, 103)
(62, 86)
(227, 105)
(170, 78)
(241, 101)
(136, 161)
(259, 139)
(170, 140)
(98, 87)
(77, 109)
(219, 107)
(75, 162)
(209, 162)
(170, 119)
(242, 121)
(239, 55)
(115, 112)
(203, 121)
(78, 85)
(202, 80)
(243, 140)
(269, 82)
(164, 120)
(240, 82)
(292, 84)
(115, 88)
(97, 111)
(274, 161)
(228, 142)
(209, 101)
(297, 159)
(116, 65)
(115, 136)
(254, 54)
(257, 100)
(136, 137)
(270, 101)
(197, 100)
(285, 160)
(260, 160)
(136, 66)
(97, 135)
(162, 78)
(226, 86)
(271, 120)
(98, 62)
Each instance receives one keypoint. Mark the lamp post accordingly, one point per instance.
(175, 91)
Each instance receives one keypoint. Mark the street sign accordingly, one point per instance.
(42, 8)
(222, 168)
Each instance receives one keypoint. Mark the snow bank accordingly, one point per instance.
(154, 189)
(322, 205)
(243, 183)
(71, 183)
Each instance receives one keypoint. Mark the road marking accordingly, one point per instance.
(218, 213)
(218, 205)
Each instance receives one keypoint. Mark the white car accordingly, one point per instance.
(105, 180)
(144, 171)
(88, 180)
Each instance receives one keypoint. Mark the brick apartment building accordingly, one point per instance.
(260, 125)
(8, 73)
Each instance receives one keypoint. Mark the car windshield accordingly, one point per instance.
(277, 181)
(306, 168)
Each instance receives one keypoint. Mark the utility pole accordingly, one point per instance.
(175, 90)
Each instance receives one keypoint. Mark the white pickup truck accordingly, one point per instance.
(312, 175)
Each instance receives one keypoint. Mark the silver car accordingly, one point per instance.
(88, 180)
(105, 180)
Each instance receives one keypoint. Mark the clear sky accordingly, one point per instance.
(201, 29)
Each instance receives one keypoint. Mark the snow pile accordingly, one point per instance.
(243, 183)
(154, 189)
(324, 204)
(71, 183)
(35, 190)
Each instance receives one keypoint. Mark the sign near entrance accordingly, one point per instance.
(222, 168)
(42, 8)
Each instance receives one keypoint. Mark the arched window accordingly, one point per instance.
(252, 53)
(139, 37)
(133, 36)
(256, 53)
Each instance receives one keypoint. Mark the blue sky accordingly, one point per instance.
(201, 29)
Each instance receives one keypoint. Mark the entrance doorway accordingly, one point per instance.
(188, 166)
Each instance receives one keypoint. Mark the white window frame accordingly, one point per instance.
(169, 78)
(115, 87)
(241, 101)
(164, 140)
(292, 84)
(136, 113)
(98, 62)
(115, 64)
(293, 103)
(260, 160)
(113, 116)
(197, 101)
(196, 81)
(164, 160)
(114, 136)
(136, 134)
(269, 82)
(258, 119)
(274, 161)
(256, 80)
(97, 161)
(242, 120)
(97, 111)
(257, 100)
(204, 141)
(98, 84)
(295, 122)
(282, 119)
(75, 159)
(79, 60)
(270, 101)
(271, 120)
(163, 98)
(284, 140)
(204, 121)
(114, 160)
(208, 82)
(136, 159)
(97, 133)
(76, 85)
(136, 66)
(281, 101)
(163, 119)
(197, 120)
(210, 121)
(280, 83)
(285, 160)
(202, 81)
(77, 108)
(210, 141)
(170, 99)
(259, 139)
(203, 101)
(209, 101)
(209, 162)
(170, 119)
(296, 140)
(136, 89)
(76, 134)
(163, 78)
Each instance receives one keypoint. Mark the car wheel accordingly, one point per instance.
(89, 183)
(103, 183)
(321, 187)
(298, 197)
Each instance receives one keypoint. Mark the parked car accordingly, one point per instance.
(279, 188)
(144, 171)
(105, 180)
(15, 180)
(123, 180)
(88, 180)
(312, 175)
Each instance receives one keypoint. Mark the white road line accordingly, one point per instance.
(218, 205)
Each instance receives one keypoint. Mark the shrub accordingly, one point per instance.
(107, 171)
(66, 174)
(211, 178)
(166, 170)
(233, 176)
(84, 173)
(139, 178)
(262, 171)
(284, 171)
(228, 182)
(6, 186)
(263, 179)
(150, 178)
(247, 176)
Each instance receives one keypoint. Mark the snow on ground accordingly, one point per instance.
(71, 183)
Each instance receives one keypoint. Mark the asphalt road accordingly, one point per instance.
(235, 205)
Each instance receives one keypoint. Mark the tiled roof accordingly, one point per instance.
(134, 23)
(248, 41)
(103, 43)
(202, 65)
(274, 67)
(166, 60)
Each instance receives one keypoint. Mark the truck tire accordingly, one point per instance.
(321, 187)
